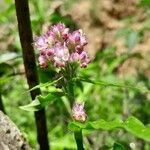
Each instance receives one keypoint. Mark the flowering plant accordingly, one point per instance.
(65, 51)
(61, 47)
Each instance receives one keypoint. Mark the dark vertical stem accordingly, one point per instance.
(79, 139)
(25, 33)
(1, 105)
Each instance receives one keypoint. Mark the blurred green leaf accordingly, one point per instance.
(119, 85)
(6, 14)
(145, 3)
(102, 124)
(132, 125)
(45, 84)
(137, 128)
(45, 100)
(42, 101)
(33, 106)
(39, 7)
(8, 1)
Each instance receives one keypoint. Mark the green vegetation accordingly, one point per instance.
(112, 96)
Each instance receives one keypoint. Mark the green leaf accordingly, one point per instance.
(118, 146)
(45, 100)
(42, 101)
(137, 128)
(119, 85)
(102, 124)
(132, 125)
(33, 106)
(76, 126)
(45, 84)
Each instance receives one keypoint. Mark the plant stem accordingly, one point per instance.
(69, 75)
(25, 34)
(68, 84)
(79, 139)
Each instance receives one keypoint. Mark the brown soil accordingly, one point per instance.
(101, 20)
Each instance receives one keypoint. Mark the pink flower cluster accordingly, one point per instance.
(79, 112)
(60, 47)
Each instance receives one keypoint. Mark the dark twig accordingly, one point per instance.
(25, 34)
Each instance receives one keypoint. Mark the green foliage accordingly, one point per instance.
(7, 12)
(45, 84)
(132, 125)
(119, 85)
(145, 3)
(102, 99)
(42, 101)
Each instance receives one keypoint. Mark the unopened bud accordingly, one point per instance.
(79, 112)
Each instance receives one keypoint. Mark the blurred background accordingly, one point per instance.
(118, 33)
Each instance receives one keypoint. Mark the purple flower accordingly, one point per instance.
(43, 61)
(40, 42)
(50, 52)
(58, 27)
(60, 31)
(61, 56)
(77, 38)
(65, 33)
(83, 40)
(78, 112)
(59, 46)
(74, 57)
(85, 60)
(79, 49)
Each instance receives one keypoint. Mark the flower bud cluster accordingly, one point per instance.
(59, 46)
(79, 112)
